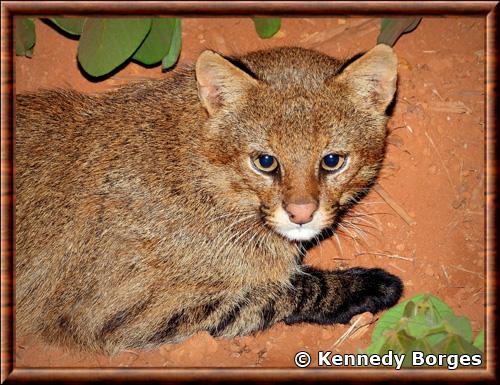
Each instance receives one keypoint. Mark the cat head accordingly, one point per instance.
(296, 135)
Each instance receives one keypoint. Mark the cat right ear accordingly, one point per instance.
(220, 83)
(372, 77)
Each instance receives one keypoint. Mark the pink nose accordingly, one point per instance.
(301, 213)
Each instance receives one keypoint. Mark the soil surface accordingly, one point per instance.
(433, 176)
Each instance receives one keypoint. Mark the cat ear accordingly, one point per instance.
(373, 76)
(220, 83)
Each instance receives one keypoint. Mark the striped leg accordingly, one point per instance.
(324, 297)
(315, 296)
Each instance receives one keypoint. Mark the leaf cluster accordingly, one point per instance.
(105, 44)
(426, 324)
(108, 43)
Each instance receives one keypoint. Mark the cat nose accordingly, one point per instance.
(301, 213)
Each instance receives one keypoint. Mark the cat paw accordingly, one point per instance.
(369, 290)
(328, 297)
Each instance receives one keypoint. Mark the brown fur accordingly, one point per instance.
(139, 220)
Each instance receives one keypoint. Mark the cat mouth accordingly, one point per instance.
(281, 223)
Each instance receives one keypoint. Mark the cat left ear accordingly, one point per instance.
(220, 83)
(373, 77)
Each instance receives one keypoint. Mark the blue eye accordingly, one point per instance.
(266, 163)
(332, 162)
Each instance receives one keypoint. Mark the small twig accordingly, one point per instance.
(400, 257)
(397, 267)
(435, 92)
(394, 205)
(452, 107)
(475, 297)
(445, 274)
(440, 158)
(467, 271)
(385, 255)
(353, 329)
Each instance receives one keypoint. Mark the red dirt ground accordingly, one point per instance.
(434, 170)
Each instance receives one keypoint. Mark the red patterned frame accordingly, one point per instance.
(9, 9)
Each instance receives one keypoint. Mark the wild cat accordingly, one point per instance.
(173, 206)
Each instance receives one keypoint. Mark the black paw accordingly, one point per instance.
(369, 290)
(328, 297)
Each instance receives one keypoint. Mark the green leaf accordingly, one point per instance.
(460, 326)
(25, 36)
(391, 319)
(418, 325)
(439, 310)
(107, 43)
(433, 339)
(409, 310)
(266, 27)
(479, 341)
(397, 341)
(376, 346)
(175, 47)
(157, 43)
(395, 318)
(391, 29)
(71, 25)
(455, 344)
(420, 345)
(384, 22)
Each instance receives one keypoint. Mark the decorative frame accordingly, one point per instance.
(9, 9)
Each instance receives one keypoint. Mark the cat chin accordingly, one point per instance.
(298, 234)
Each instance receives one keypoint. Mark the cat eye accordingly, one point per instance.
(266, 163)
(332, 162)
